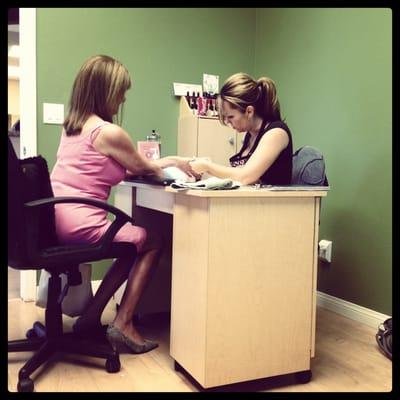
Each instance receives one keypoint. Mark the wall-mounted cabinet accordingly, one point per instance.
(202, 136)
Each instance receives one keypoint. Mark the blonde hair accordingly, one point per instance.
(241, 91)
(99, 88)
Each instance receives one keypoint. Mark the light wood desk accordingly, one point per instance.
(244, 269)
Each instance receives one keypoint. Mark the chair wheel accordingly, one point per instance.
(31, 334)
(113, 365)
(25, 385)
(303, 376)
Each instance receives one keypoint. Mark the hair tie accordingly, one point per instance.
(260, 89)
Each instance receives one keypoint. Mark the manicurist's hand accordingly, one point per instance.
(200, 165)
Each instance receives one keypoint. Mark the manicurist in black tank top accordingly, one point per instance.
(266, 155)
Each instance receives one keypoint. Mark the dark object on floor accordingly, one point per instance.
(384, 338)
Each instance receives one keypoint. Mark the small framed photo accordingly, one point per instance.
(149, 149)
(210, 83)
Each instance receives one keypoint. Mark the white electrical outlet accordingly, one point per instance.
(325, 250)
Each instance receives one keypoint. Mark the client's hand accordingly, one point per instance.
(183, 163)
(155, 171)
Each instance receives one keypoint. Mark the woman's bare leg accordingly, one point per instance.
(137, 277)
(113, 279)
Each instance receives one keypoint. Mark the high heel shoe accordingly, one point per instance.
(120, 342)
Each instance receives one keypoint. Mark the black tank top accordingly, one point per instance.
(280, 172)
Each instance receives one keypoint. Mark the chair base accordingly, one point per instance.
(45, 347)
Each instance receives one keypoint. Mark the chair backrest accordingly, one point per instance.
(28, 231)
(309, 167)
(16, 225)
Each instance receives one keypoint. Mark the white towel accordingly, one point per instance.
(212, 183)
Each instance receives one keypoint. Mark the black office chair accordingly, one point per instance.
(32, 244)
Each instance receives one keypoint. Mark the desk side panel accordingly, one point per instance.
(156, 297)
(123, 198)
(259, 288)
(155, 199)
(315, 272)
(189, 277)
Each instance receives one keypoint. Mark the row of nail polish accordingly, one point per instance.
(203, 105)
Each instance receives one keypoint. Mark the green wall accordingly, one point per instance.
(158, 46)
(333, 70)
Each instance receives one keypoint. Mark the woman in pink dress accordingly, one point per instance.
(95, 154)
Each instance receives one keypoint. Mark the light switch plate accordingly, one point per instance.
(53, 113)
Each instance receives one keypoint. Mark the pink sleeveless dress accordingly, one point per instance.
(80, 170)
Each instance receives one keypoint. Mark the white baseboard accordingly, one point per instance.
(350, 310)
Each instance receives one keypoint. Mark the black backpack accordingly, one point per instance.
(308, 167)
(384, 338)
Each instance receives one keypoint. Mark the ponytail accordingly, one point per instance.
(267, 106)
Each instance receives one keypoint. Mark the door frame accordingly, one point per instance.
(28, 115)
